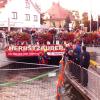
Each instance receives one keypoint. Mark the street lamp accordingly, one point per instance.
(90, 10)
(8, 24)
(97, 23)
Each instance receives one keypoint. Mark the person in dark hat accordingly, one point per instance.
(46, 57)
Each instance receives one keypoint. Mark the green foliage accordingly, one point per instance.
(41, 19)
(77, 24)
(67, 21)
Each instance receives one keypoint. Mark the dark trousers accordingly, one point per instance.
(78, 73)
(84, 77)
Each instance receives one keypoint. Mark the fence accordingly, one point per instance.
(23, 81)
(83, 76)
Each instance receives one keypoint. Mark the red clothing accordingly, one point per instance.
(41, 60)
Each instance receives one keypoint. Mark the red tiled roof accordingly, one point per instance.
(3, 3)
(57, 12)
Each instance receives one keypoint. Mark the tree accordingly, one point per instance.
(76, 19)
(41, 19)
(99, 20)
(77, 24)
(53, 23)
(85, 20)
(93, 24)
(67, 21)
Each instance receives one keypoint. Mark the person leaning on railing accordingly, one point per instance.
(84, 62)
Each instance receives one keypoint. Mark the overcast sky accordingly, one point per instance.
(80, 5)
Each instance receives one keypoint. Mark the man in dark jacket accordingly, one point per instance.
(84, 62)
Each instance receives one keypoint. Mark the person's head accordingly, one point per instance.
(70, 52)
(84, 48)
(41, 54)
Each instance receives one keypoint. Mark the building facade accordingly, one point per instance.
(19, 14)
(56, 15)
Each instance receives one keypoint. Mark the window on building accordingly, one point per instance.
(27, 17)
(14, 15)
(27, 4)
(35, 18)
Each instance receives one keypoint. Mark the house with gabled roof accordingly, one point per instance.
(19, 14)
(56, 15)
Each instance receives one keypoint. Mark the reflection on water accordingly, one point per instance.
(71, 93)
(74, 94)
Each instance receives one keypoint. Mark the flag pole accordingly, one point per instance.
(91, 18)
(97, 24)
(8, 24)
(90, 23)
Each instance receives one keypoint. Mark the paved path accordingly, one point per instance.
(97, 50)
(94, 84)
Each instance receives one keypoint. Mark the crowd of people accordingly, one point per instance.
(77, 54)
(81, 59)
(43, 58)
